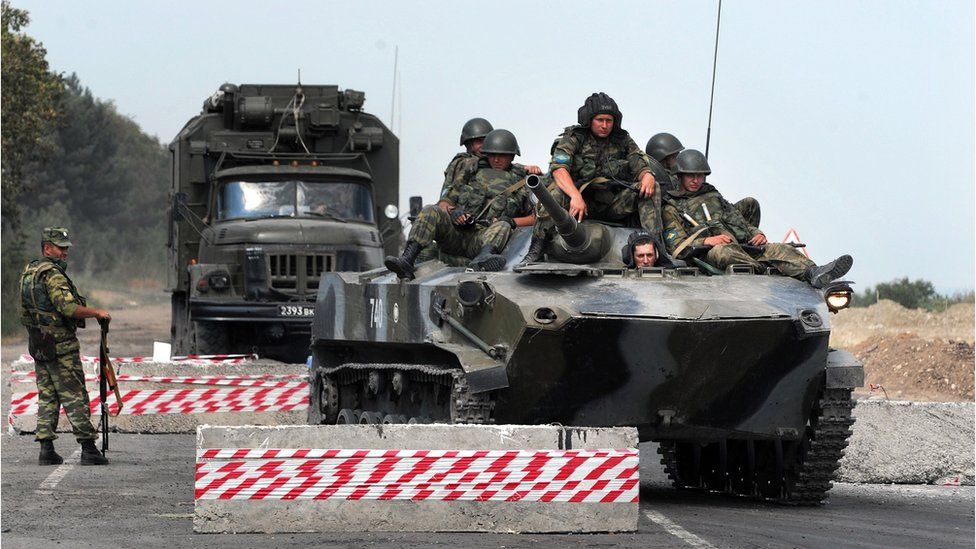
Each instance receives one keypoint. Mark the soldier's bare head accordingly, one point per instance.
(54, 251)
(601, 125)
(500, 161)
(645, 255)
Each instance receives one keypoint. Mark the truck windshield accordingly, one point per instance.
(262, 199)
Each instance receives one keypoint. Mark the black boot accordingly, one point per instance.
(48, 455)
(534, 255)
(488, 260)
(820, 276)
(403, 265)
(90, 454)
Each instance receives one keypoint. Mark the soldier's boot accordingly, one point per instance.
(48, 455)
(403, 265)
(488, 260)
(534, 255)
(820, 275)
(90, 454)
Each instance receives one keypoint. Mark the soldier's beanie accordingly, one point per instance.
(56, 235)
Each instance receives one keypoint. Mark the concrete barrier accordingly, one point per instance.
(910, 443)
(177, 397)
(424, 478)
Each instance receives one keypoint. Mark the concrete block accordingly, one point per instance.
(910, 443)
(173, 420)
(338, 509)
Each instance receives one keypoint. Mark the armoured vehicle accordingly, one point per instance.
(272, 186)
(730, 372)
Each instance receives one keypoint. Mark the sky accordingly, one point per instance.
(850, 121)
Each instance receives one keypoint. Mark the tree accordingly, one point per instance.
(31, 94)
(910, 294)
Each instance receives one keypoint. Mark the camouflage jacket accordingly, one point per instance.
(462, 168)
(725, 218)
(48, 298)
(587, 156)
(484, 195)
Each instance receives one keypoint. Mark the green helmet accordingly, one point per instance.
(662, 145)
(500, 142)
(475, 128)
(691, 161)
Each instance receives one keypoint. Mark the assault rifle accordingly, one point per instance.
(106, 381)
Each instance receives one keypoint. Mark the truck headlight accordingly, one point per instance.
(391, 211)
(219, 280)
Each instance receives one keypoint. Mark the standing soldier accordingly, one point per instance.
(598, 157)
(696, 215)
(52, 309)
(480, 214)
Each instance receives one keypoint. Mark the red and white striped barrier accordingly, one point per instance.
(188, 359)
(255, 380)
(543, 476)
(278, 398)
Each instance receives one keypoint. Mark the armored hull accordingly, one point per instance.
(730, 373)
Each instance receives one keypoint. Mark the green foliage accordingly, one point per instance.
(911, 294)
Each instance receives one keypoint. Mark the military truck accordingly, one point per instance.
(730, 371)
(273, 186)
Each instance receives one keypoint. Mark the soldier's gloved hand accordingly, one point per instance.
(509, 220)
(459, 217)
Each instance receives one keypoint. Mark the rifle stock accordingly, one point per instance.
(106, 381)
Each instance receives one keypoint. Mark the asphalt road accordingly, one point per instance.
(145, 499)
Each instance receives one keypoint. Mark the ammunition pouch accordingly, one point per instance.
(41, 344)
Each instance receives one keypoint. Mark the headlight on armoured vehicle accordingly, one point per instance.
(838, 296)
(391, 211)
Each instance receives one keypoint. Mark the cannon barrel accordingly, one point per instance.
(567, 227)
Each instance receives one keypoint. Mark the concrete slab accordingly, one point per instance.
(910, 443)
(236, 399)
(342, 512)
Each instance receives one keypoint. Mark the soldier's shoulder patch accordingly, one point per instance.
(670, 235)
(560, 158)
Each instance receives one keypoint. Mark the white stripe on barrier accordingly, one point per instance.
(569, 476)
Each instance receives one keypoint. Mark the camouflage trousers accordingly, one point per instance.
(785, 258)
(61, 382)
(749, 208)
(434, 224)
(618, 205)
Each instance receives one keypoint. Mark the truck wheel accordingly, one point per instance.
(178, 330)
(210, 338)
(315, 400)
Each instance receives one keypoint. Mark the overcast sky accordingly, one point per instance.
(852, 121)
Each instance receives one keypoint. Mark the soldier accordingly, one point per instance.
(52, 310)
(697, 215)
(663, 149)
(599, 158)
(480, 216)
(644, 250)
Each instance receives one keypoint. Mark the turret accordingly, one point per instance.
(575, 242)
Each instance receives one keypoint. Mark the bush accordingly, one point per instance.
(911, 294)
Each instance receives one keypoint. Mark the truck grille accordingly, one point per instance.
(298, 273)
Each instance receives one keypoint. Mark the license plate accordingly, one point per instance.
(295, 310)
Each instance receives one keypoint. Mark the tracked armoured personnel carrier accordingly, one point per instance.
(273, 186)
(732, 374)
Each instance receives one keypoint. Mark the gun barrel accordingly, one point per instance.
(566, 225)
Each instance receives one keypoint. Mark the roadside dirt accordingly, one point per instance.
(908, 367)
(887, 318)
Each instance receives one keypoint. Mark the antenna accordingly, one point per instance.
(711, 99)
(396, 56)
(299, 77)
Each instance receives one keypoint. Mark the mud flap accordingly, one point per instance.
(843, 370)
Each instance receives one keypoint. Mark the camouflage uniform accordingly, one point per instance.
(663, 176)
(49, 300)
(462, 168)
(749, 208)
(595, 165)
(727, 220)
(480, 197)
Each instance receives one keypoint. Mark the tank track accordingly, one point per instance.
(464, 406)
(807, 478)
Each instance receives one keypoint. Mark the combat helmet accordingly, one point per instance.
(599, 103)
(691, 161)
(475, 128)
(500, 142)
(662, 145)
